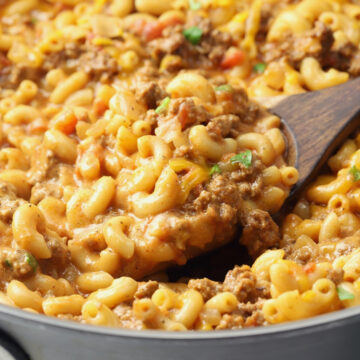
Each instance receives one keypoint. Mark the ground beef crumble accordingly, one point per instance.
(222, 126)
(187, 113)
(126, 317)
(60, 254)
(150, 94)
(230, 322)
(260, 232)
(252, 313)
(14, 262)
(40, 191)
(206, 287)
(75, 56)
(237, 102)
(242, 283)
(9, 202)
(145, 290)
(207, 54)
(336, 275)
(317, 43)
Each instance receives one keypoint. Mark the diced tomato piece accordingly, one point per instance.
(66, 123)
(4, 61)
(183, 115)
(100, 107)
(232, 58)
(153, 30)
(310, 268)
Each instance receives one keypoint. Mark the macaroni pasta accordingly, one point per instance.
(133, 139)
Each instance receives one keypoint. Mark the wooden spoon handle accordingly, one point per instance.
(319, 121)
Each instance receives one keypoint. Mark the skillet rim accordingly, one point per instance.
(335, 318)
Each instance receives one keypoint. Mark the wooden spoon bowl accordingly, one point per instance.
(315, 124)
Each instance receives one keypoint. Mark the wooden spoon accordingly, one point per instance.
(315, 124)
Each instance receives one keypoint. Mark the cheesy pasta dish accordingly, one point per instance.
(133, 139)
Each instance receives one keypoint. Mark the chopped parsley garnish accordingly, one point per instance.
(344, 294)
(225, 87)
(215, 170)
(33, 20)
(355, 172)
(245, 158)
(29, 258)
(259, 68)
(8, 263)
(163, 106)
(193, 35)
(194, 5)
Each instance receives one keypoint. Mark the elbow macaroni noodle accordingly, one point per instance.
(123, 154)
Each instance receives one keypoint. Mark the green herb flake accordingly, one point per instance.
(355, 172)
(194, 5)
(259, 68)
(344, 294)
(29, 258)
(8, 263)
(225, 88)
(244, 158)
(163, 106)
(33, 20)
(215, 170)
(193, 35)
